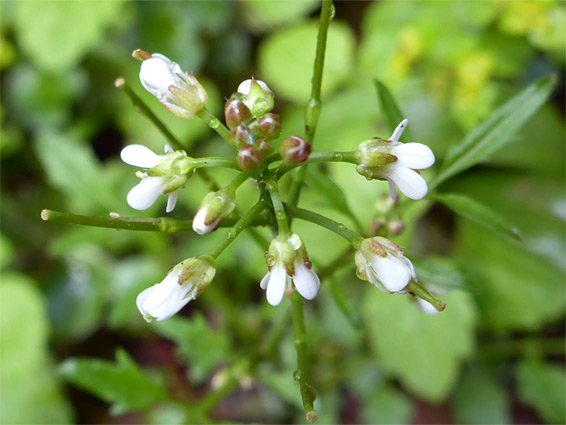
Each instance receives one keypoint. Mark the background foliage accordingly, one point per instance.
(68, 314)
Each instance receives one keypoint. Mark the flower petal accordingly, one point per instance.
(414, 155)
(264, 281)
(171, 202)
(408, 181)
(140, 156)
(276, 285)
(392, 273)
(427, 307)
(156, 75)
(145, 193)
(399, 130)
(306, 281)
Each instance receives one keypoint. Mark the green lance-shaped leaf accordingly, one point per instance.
(392, 112)
(497, 131)
(122, 383)
(477, 212)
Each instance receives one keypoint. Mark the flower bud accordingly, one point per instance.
(240, 135)
(184, 282)
(215, 207)
(236, 113)
(294, 150)
(269, 126)
(180, 93)
(259, 98)
(264, 146)
(376, 152)
(249, 158)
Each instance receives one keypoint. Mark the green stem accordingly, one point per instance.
(212, 161)
(326, 222)
(422, 293)
(237, 181)
(144, 109)
(316, 157)
(313, 108)
(213, 122)
(308, 393)
(240, 225)
(159, 224)
(278, 207)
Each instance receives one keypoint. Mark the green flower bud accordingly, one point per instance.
(259, 98)
(215, 207)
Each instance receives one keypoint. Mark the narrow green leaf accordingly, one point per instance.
(122, 383)
(477, 212)
(389, 107)
(330, 192)
(497, 131)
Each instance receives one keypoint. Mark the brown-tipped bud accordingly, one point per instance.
(236, 113)
(294, 150)
(264, 146)
(270, 126)
(141, 55)
(240, 136)
(249, 158)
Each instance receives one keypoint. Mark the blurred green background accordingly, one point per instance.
(74, 348)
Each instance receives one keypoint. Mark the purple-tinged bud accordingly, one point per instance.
(264, 146)
(270, 126)
(236, 113)
(396, 227)
(249, 158)
(294, 150)
(240, 136)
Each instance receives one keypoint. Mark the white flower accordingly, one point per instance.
(396, 162)
(215, 207)
(382, 263)
(288, 263)
(144, 194)
(179, 92)
(182, 284)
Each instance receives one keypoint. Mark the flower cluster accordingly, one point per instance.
(252, 128)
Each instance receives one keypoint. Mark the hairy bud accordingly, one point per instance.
(269, 126)
(240, 135)
(264, 146)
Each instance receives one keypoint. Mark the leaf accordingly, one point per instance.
(389, 107)
(480, 399)
(330, 192)
(424, 352)
(73, 168)
(387, 405)
(497, 131)
(286, 59)
(122, 383)
(55, 36)
(26, 372)
(199, 345)
(542, 385)
(478, 213)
